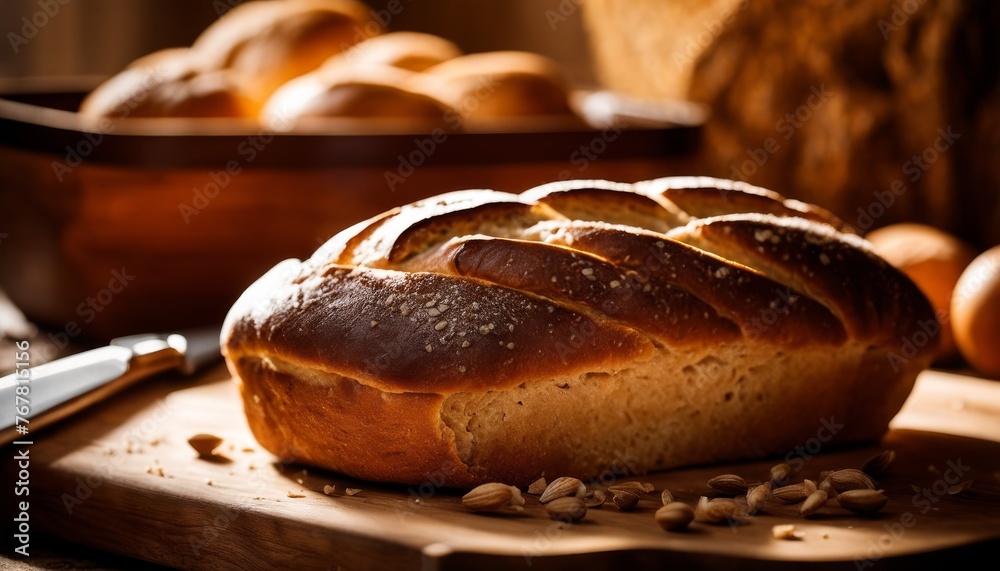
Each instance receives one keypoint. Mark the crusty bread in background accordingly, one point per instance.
(414, 51)
(894, 79)
(353, 91)
(486, 86)
(934, 260)
(270, 42)
(480, 336)
(169, 83)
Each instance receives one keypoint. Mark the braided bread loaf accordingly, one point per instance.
(578, 327)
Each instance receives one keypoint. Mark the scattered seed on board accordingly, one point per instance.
(491, 497)
(862, 501)
(562, 487)
(567, 509)
(792, 493)
(537, 487)
(757, 497)
(779, 474)
(813, 503)
(719, 510)
(674, 516)
(851, 479)
(728, 484)
(625, 499)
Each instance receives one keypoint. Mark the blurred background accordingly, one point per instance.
(826, 100)
(883, 111)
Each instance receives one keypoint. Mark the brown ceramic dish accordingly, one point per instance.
(138, 225)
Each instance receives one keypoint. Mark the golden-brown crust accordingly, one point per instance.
(270, 43)
(168, 83)
(511, 326)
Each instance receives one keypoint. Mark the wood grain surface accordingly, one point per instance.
(96, 480)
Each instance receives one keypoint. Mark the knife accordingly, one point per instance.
(66, 386)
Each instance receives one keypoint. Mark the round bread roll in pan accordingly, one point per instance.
(271, 42)
(579, 327)
(414, 51)
(353, 92)
(490, 86)
(169, 83)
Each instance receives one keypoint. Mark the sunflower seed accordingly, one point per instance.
(851, 479)
(489, 497)
(566, 509)
(862, 501)
(792, 493)
(537, 487)
(625, 499)
(666, 496)
(719, 510)
(562, 487)
(815, 501)
(757, 496)
(728, 484)
(779, 474)
(674, 516)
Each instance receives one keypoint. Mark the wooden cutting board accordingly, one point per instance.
(123, 478)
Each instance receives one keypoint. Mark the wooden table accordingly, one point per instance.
(122, 478)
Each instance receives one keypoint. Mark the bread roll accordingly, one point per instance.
(350, 91)
(488, 86)
(414, 51)
(169, 83)
(579, 327)
(270, 42)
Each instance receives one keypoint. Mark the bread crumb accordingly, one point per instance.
(374, 323)
(247, 449)
(510, 345)
(428, 348)
(208, 482)
(292, 494)
(328, 489)
(352, 491)
(787, 531)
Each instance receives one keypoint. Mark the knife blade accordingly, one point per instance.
(53, 391)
